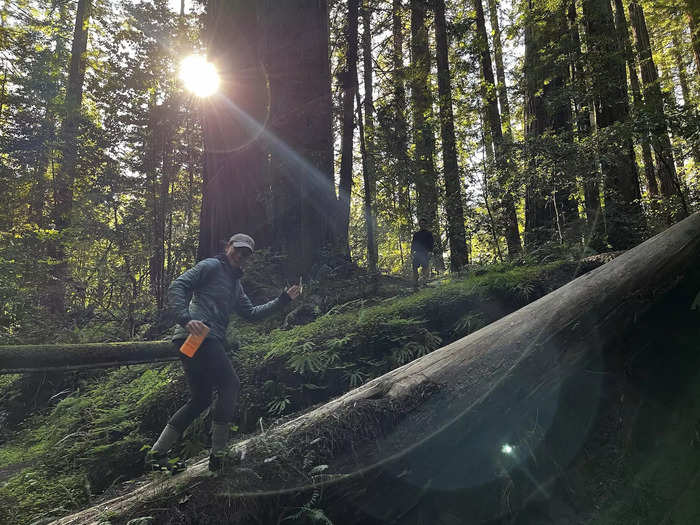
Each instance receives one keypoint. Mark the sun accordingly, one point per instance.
(199, 75)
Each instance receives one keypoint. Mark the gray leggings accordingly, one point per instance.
(209, 369)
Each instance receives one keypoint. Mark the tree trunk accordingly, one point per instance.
(504, 165)
(654, 104)
(453, 191)
(45, 358)
(349, 86)
(685, 86)
(500, 69)
(423, 138)
(300, 147)
(623, 212)
(66, 174)
(412, 433)
(403, 166)
(550, 211)
(595, 236)
(367, 134)
(623, 31)
(234, 122)
(693, 13)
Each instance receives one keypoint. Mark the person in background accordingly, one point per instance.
(206, 296)
(421, 247)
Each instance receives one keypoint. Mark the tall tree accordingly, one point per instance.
(368, 168)
(693, 14)
(66, 174)
(500, 68)
(654, 105)
(683, 80)
(589, 164)
(300, 147)
(234, 121)
(400, 144)
(623, 212)
(424, 140)
(349, 86)
(630, 57)
(453, 192)
(504, 165)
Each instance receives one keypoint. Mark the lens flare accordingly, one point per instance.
(199, 75)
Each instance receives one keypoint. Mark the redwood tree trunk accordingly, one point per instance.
(621, 23)
(623, 213)
(654, 104)
(303, 205)
(234, 123)
(582, 103)
(65, 176)
(403, 166)
(503, 164)
(349, 86)
(368, 166)
(453, 191)
(500, 68)
(424, 172)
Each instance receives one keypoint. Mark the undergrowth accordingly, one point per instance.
(93, 437)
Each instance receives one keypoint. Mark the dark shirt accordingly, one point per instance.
(422, 241)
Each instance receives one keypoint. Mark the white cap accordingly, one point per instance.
(241, 240)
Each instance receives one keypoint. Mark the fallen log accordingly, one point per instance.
(15, 359)
(457, 424)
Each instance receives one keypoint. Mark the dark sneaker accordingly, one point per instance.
(224, 460)
(161, 463)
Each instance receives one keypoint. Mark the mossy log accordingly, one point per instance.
(456, 425)
(16, 359)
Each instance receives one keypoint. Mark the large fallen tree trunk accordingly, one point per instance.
(16, 359)
(455, 424)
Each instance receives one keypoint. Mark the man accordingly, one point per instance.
(421, 248)
(206, 296)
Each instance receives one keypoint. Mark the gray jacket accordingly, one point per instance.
(210, 292)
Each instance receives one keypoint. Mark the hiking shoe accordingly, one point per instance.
(161, 463)
(224, 460)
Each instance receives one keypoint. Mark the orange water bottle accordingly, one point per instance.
(192, 343)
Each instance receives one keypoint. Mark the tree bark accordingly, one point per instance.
(500, 69)
(504, 166)
(349, 86)
(452, 410)
(234, 122)
(550, 211)
(423, 138)
(595, 235)
(367, 133)
(623, 212)
(685, 86)
(403, 166)
(623, 31)
(44, 358)
(693, 13)
(300, 147)
(654, 104)
(66, 174)
(453, 192)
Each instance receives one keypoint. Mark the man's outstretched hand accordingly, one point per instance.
(196, 328)
(294, 291)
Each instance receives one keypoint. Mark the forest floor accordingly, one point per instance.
(87, 444)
